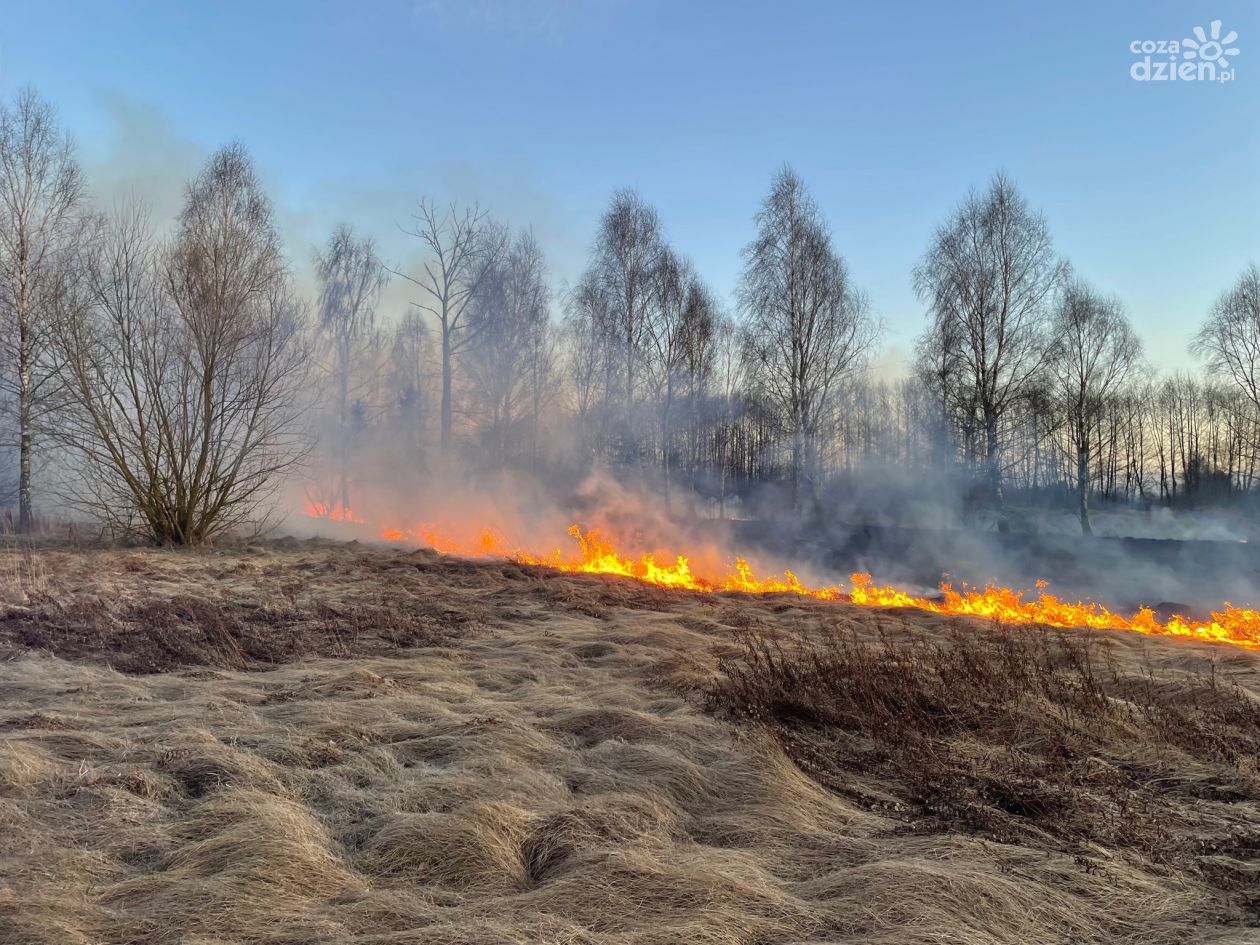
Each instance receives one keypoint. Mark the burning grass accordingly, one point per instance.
(598, 554)
(334, 744)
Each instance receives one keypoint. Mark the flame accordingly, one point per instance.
(1237, 625)
(332, 511)
(596, 554)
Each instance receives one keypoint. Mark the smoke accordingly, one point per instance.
(142, 154)
(902, 524)
(453, 508)
(910, 530)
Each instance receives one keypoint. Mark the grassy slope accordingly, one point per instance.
(321, 743)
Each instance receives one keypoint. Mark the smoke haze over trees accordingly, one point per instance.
(175, 386)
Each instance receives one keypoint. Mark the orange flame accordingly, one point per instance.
(596, 555)
(332, 511)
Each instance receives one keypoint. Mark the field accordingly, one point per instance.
(312, 742)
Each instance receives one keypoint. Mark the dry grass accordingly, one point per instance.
(1027, 735)
(312, 743)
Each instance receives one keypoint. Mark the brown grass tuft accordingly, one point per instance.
(478, 847)
(248, 860)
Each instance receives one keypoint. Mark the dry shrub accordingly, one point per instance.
(1021, 735)
(23, 574)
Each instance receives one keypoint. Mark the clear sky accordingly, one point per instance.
(541, 108)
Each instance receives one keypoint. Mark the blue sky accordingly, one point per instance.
(541, 108)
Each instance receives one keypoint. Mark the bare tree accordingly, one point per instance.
(988, 277)
(1096, 354)
(351, 277)
(700, 325)
(619, 289)
(41, 191)
(541, 367)
(678, 346)
(1230, 339)
(938, 366)
(510, 323)
(586, 357)
(728, 367)
(185, 365)
(409, 372)
(464, 245)
(807, 327)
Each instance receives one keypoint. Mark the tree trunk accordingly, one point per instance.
(724, 454)
(630, 446)
(994, 465)
(798, 463)
(344, 419)
(1082, 487)
(665, 441)
(537, 397)
(25, 516)
(446, 389)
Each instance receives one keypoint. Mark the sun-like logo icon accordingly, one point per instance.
(1216, 49)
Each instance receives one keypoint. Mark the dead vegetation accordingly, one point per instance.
(1026, 735)
(328, 744)
(191, 631)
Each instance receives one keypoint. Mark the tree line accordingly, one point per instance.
(170, 385)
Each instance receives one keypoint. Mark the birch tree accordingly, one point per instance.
(807, 327)
(1096, 354)
(351, 277)
(988, 278)
(41, 195)
(507, 368)
(463, 245)
(1230, 338)
(619, 286)
(678, 342)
